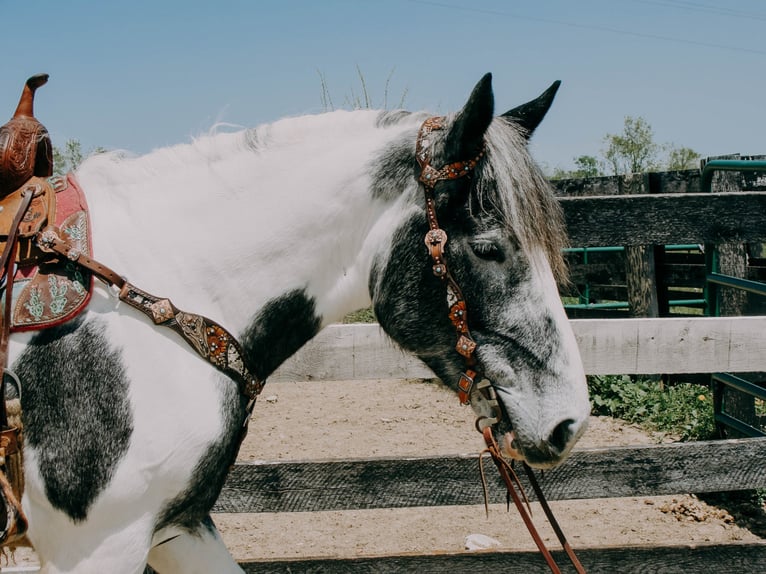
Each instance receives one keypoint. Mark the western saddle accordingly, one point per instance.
(27, 203)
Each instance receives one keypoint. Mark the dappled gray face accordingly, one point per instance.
(502, 225)
(525, 344)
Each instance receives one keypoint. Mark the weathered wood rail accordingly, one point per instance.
(649, 279)
(608, 346)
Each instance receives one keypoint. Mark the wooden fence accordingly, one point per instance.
(609, 346)
(664, 278)
(357, 352)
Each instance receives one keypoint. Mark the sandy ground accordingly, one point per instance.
(325, 420)
(389, 418)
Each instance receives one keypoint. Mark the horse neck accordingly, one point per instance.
(227, 235)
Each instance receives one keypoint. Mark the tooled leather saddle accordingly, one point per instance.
(36, 290)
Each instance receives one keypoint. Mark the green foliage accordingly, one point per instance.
(67, 159)
(679, 158)
(586, 166)
(360, 316)
(685, 409)
(634, 150)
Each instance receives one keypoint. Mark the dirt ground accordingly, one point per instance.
(399, 418)
(326, 420)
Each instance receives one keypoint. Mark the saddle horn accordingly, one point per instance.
(25, 145)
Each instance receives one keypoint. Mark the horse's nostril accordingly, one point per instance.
(562, 434)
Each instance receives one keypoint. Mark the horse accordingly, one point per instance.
(277, 231)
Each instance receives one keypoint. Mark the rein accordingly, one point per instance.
(435, 240)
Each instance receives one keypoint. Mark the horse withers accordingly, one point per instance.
(276, 232)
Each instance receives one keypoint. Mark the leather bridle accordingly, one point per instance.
(435, 240)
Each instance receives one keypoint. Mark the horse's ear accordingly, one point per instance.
(466, 137)
(529, 115)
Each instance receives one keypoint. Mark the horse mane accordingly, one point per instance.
(219, 143)
(507, 181)
(512, 183)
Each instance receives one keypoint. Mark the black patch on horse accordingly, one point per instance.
(192, 506)
(394, 169)
(391, 117)
(77, 413)
(278, 330)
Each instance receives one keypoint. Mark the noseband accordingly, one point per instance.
(435, 240)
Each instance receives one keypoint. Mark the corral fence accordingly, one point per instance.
(670, 213)
(720, 273)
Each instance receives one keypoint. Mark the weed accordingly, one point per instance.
(684, 409)
(360, 316)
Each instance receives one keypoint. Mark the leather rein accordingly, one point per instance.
(435, 240)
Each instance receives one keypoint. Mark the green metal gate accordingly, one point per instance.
(715, 280)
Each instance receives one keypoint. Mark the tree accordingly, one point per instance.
(679, 158)
(632, 151)
(67, 159)
(586, 166)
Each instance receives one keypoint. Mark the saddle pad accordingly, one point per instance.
(51, 293)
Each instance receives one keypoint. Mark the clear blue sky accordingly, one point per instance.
(141, 74)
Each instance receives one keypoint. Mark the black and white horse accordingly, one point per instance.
(276, 232)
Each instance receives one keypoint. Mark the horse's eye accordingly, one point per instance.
(487, 251)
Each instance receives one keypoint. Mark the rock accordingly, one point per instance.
(480, 542)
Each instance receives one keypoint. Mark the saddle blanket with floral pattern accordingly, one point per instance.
(53, 292)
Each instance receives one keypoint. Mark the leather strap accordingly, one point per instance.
(7, 261)
(211, 341)
(512, 483)
(436, 239)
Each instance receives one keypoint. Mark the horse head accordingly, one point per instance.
(504, 235)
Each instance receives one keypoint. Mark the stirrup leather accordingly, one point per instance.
(13, 521)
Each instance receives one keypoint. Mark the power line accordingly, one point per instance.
(597, 28)
(705, 8)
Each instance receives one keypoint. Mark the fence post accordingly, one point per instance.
(641, 281)
(640, 262)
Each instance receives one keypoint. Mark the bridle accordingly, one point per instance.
(468, 387)
(435, 240)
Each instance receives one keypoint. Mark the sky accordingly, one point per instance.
(143, 74)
